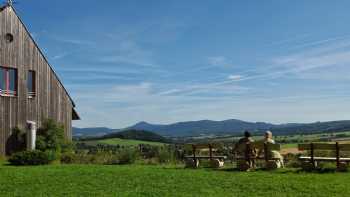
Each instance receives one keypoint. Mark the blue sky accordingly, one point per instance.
(167, 61)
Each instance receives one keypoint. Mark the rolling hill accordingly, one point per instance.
(193, 128)
(137, 135)
(92, 132)
(231, 127)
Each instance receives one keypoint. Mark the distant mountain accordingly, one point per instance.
(232, 127)
(92, 132)
(145, 126)
(317, 127)
(137, 135)
(194, 128)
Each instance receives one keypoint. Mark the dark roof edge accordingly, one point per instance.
(3, 7)
(75, 115)
(25, 27)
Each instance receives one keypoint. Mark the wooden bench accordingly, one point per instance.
(192, 161)
(251, 151)
(310, 162)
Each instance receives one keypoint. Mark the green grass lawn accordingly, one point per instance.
(138, 180)
(123, 142)
(289, 146)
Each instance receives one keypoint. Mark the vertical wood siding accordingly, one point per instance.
(51, 100)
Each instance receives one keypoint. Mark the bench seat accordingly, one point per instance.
(325, 159)
(252, 157)
(206, 157)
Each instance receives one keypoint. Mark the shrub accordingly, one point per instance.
(165, 155)
(85, 158)
(50, 139)
(148, 151)
(78, 158)
(127, 156)
(17, 140)
(292, 161)
(2, 159)
(326, 166)
(68, 158)
(68, 147)
(50, 136)
(30, 158)
(40, 143)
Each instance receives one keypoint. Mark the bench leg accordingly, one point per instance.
(192, 163)
(216, 163)
(308, 165)
(274, 164)
(343, 167)
(243, 165)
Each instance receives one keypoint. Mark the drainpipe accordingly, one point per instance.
(31, 135)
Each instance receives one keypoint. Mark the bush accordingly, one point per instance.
(50, 136)
(68, 158)
(2, 159)
(127, 156)
(123, 156)
(165, 155)
(148, 151)
(292, 161)
(68, 147)
(31, 158)
(326, 166)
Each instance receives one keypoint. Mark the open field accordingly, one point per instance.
(292, 137)
(122, 142)
(289, 142)
(138, 180)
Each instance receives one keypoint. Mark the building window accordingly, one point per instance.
(31, 84)
(8, 81)
(9, 38)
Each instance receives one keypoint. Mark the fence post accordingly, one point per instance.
(210, 152)
(337, 154)
(312, 155)
(194, 152)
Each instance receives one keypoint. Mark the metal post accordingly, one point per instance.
(31, 135)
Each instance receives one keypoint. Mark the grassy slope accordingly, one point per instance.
(123, 142)
(289, 146)
(286, 137)
(165, 181)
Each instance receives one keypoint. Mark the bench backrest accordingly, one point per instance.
(260, 145)
(324, 146)
(202, 146)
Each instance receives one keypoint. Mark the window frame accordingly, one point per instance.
(31, 94)
(7, 92)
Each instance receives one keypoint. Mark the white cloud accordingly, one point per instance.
(235, 77)
(128, 51)
(61, 55)
(219, 61)
(74, 41)
(323, 56)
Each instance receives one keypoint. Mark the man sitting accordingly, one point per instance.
(241, 151)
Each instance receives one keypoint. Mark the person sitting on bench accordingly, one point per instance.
(271, 153)
(268, 137)
(241, 146)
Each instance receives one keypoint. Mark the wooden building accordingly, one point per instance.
(29, 88)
